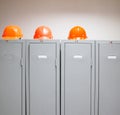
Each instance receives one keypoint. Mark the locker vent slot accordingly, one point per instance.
(112, 57)
(42, 57)
(77, 57)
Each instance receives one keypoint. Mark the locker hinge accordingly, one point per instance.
(91, 65)
(56, 62)
(21, 62)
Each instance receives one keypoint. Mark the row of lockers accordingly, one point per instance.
(53, 78)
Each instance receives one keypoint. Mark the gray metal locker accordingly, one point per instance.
(108, 78)
(12, 78)
(43, 90)
(77, 81)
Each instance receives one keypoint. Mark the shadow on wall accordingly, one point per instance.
(53, 6)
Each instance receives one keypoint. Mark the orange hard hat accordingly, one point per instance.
(12, 32)
(77, 32)
(43, 32)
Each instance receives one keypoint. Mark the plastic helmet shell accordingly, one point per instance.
(77, 32)
(43, 32)
(12, 32)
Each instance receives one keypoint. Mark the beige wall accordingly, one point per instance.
(100, 18)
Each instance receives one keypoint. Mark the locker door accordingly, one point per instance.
(43, 79)
(108, 65)
(11, 78)
(77, 78)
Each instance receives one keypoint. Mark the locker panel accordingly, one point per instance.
(43, 79)
(11, 100)
(78, 79)
(109, 78)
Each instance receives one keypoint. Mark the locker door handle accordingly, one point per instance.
(77, 57)
(42, 57)
(112, 57)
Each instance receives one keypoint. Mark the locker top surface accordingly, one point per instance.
(14, 41)
(62, 41)
(77, 41)
(107, 41)
(30, 40)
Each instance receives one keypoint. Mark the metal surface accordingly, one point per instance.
(43, 96)
(77, 78)
(12, 78)
(108, 78)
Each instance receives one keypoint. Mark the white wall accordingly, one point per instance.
(100, 18)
